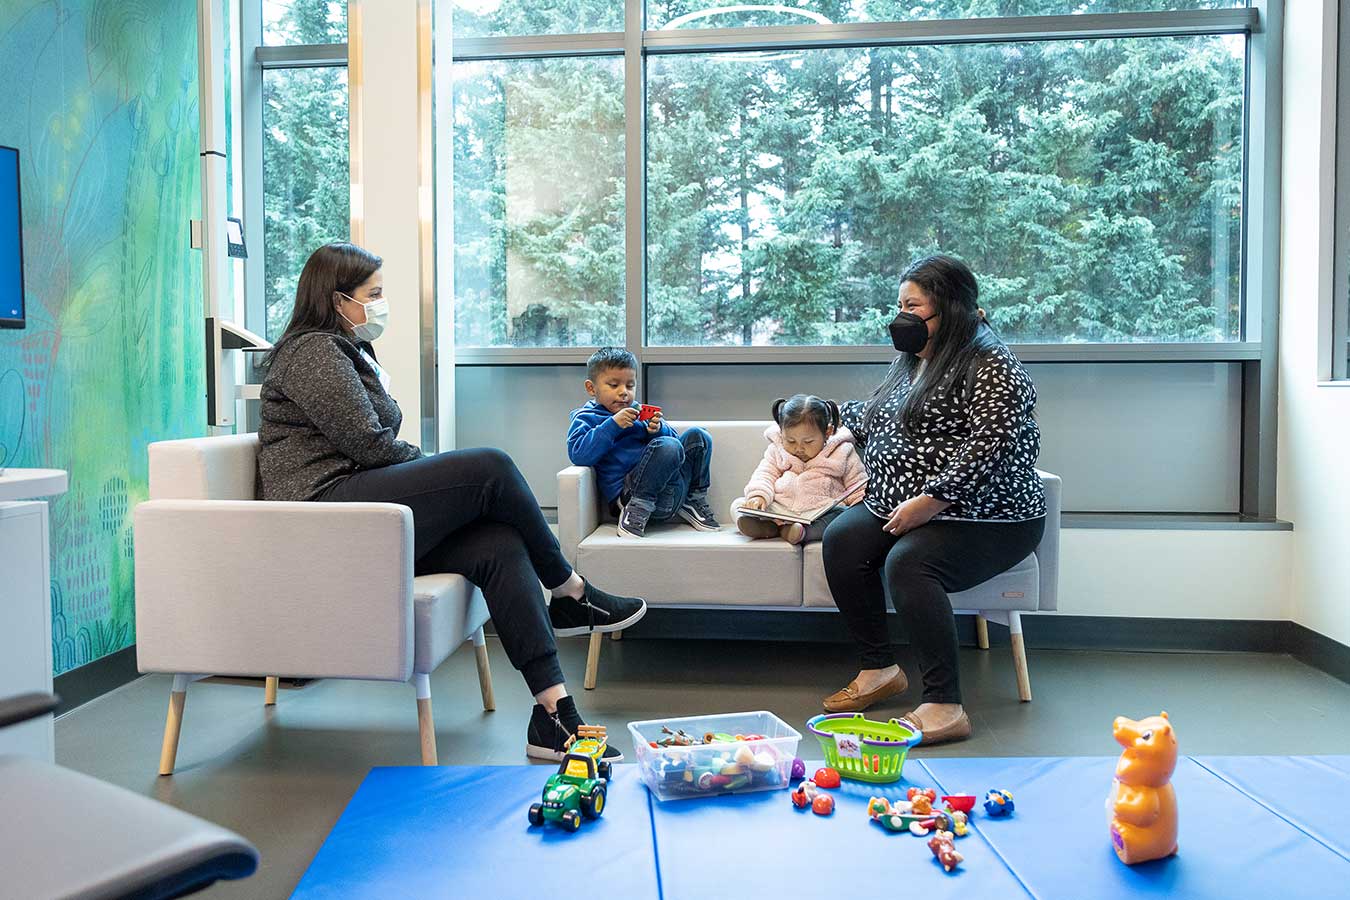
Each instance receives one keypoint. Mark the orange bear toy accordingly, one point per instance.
(1142, 807)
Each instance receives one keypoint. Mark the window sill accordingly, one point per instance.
(1173, 521)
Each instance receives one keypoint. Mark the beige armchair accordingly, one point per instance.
(230, 585)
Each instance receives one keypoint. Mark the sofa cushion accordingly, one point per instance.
(1018, 588)
(737, 449)
(674, 564)
(447, 610)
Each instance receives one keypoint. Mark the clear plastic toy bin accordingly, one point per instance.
(714, 761)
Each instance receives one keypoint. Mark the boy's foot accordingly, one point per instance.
(595, 611)
(549, 732)
(697, 512)
(633, 521)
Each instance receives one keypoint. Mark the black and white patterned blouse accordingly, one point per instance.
(974, 445)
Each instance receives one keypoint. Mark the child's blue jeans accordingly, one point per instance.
(670, 471)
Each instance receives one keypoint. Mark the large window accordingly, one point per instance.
(796, 159)
(539, 202)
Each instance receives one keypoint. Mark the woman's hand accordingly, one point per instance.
(654, 423)
(754, 503)
(913, 513)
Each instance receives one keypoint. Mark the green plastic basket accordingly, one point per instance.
(882, 746)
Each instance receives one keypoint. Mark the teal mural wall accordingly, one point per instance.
(100, 97)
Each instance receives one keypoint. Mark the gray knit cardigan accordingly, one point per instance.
(324, 416)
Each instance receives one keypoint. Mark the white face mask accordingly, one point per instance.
(377, 316)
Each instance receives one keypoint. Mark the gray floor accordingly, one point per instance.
(282, 776)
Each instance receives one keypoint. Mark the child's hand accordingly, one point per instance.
(753, 503)
(654, 423)
(625, 417)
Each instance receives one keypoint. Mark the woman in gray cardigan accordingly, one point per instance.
(329, 433)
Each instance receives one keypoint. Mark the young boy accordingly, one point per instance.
(652, 472)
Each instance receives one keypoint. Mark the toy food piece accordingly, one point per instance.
(1142, 806)
(944, 850)
(960, 823)
(744, 756)
(878, 806)
(645, 412)
(798, 769)
(823, 805)
(922, 805)
(960, 802)
(921, 792)
(762, 761)
(998, 804)
(827, 778)
(918, 829)
(799, 798)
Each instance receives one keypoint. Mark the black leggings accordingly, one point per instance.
(866, 567)
(474, 515)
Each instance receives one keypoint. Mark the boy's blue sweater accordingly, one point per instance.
(594, 439)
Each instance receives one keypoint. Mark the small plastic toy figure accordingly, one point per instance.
(998, 804)
(827, 778)
(822, 805)
(1142, 805)
(924, 792)
(922, 805)
(804, 794)
(960, 823)
(944, 850)
(798, 769)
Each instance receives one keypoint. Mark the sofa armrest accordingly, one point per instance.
(1047, 553)
(23, 707)
(240, 587)
(578, 508)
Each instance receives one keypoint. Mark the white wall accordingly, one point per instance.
(1314, 477)
(383, 85)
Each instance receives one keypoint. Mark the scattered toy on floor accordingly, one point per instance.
(944, 850)
(998, 803)
(827, 778)
(1142, 805)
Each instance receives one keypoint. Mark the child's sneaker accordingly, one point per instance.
(549, 732)
(633, 520)
(697, 512)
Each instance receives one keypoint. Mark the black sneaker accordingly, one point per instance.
(633, 521)
(697, 512)
(549, 733)
(595, 611)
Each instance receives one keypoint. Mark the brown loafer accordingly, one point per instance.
(956, 731)
(851, 699)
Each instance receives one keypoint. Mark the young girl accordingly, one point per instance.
(810, 461)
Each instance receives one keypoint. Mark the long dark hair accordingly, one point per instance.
(961, 339)
(789, 411)
(333, 268)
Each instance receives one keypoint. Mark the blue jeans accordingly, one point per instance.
(670, 471)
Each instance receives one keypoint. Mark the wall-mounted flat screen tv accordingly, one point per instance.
(11, 241)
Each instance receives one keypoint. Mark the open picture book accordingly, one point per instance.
(774, 512)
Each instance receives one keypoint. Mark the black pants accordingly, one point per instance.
(474, 515)
(866, 567)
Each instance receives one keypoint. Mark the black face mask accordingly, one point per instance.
(909, 333)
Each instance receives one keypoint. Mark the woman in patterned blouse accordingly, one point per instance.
(953, 497)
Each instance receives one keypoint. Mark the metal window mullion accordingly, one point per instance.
(948, 31)
(300, 56)
(1261, 258)
(1340, 296)
(539, 46)
(635, 180)
(251, 130)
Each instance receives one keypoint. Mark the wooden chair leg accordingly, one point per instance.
(981, 632)
(593, 660)
(484, 673)
(173, 725)
(616, 635)
(270, 690)
(1019, 650)
(426, 726)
